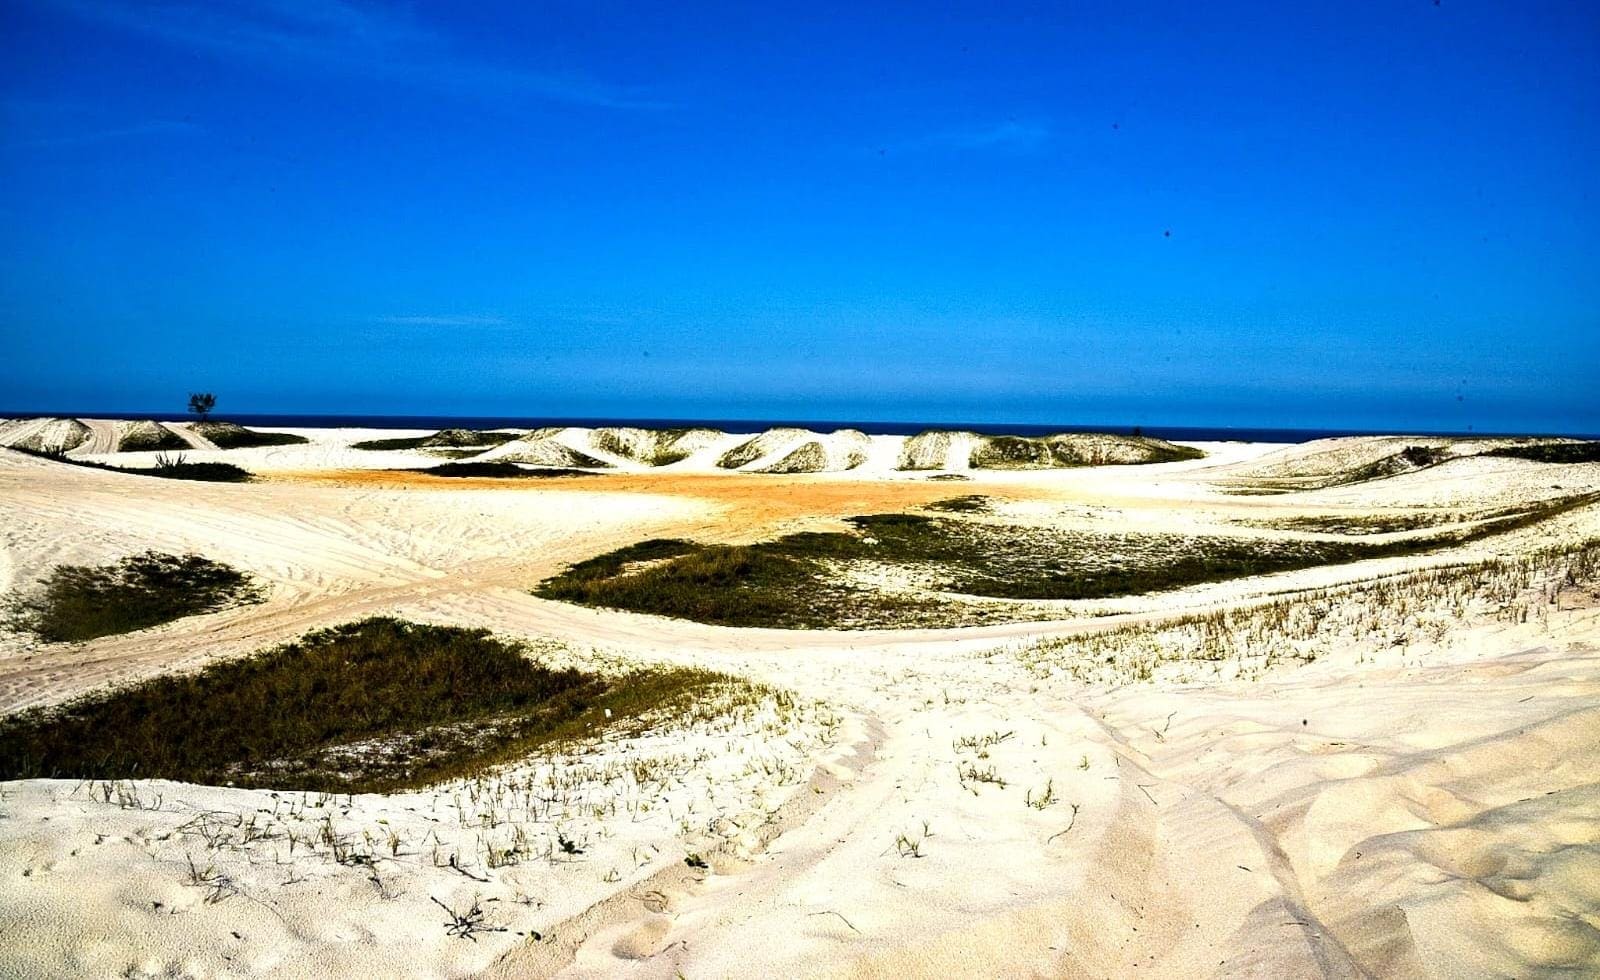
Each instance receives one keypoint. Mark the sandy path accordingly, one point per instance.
(1216, 831)
(102, 438)
(194, 439)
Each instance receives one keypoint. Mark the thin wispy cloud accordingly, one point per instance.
(1011, 135)
(109, 134)
(1016, 136)
(45, 123)
(443, 320)
(375, 39)
(532, 319)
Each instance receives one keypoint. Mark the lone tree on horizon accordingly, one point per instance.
(201, 403)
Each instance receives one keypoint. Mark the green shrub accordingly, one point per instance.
(227, 435)
(179, 469)
(81, 602)
(372, 706)
(166, 467)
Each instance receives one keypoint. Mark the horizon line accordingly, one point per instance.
(639, 421)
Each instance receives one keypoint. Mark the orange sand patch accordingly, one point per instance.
(746, 504)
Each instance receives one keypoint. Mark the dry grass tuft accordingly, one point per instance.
(1417, 608)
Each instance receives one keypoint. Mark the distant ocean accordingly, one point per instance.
(1177, 433)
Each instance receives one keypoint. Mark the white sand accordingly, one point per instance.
(1431, 809)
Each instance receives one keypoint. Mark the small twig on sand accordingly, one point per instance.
(1146, 792)
(455, 865)
(1070, 824)
(841, 919)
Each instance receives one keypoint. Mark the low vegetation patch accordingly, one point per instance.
(1364, 524)
(808, 457)
(545, 450)
(1552, 452)
(373, 706)
(166, 467)
(744, 454)
(1010, 452)
(227, 435)
(1406, 460)
(497, 470)
(1357, 524)
(1354, 621)
(1074, 449)
(943, 565)
(773, 584)
(443, 439)
(181, 469)
(652, 447)
(150, 437)
(399, 442)
(81, 602)
(975, 503)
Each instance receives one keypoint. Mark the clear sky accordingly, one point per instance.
(1343, 214)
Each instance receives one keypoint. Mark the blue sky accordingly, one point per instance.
(1350, 215)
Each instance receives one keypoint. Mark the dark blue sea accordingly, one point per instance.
(1179, 433)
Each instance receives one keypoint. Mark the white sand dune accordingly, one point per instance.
(763, 446)
(1324, 459)
(779, 450)
(454, 438)
(1066, 449)
(1421, 808)
(654, 447)
(1460, 482)
(615, 447)
(1327, 457)
(85, 437)
(961, 450)
(843, 449)
(938, 451)
(791, 450)
(548, 447)
(142, 435)
(44, 434)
